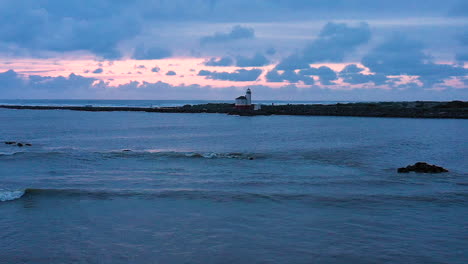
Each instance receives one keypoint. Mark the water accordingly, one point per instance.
(213, 188)
(144, 103)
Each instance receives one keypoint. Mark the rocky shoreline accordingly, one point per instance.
(418, 109)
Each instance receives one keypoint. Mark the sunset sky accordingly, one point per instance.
(215, 49)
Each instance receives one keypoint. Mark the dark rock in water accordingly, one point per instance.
(19, 144)
(126, 150)
(251, 158)
(422, 167)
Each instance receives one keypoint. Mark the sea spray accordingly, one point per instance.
(8, 195)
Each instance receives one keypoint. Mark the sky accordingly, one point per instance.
(215, 49)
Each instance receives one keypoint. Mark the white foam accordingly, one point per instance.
(6, 195)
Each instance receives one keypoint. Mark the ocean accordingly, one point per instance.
(137, 187)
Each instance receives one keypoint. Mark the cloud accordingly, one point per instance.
(257, 60)
(35, 86)
(53, 26)
(400, 55)
(155, 69)
(238, 32)
(98, 71)
(334, 42)
(171, 73)
(109, 28)
(459, 10)
(153, 53)
(289, 76)
(13, 85)
(271, 51)
(237, 76)
(10, 80)
(325, 74)
(463, 40)
(224, 61)
(292, 62)
(352, 74)
(462, 57)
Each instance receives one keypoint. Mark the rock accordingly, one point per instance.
(19, 144)
(10, 142)
(422, 167)
(28, 144)
(126, 150)
(251, 158)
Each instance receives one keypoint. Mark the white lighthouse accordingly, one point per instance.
(244, 102)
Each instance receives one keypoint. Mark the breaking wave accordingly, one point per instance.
(185, 154)
(226, 196)
(182, 154)
(135, 154)
(8, 195)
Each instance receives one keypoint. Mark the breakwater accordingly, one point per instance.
(418, 109)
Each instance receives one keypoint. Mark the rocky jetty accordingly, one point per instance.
(422, 167)
(418, 109)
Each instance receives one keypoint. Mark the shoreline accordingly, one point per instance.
(416, 109)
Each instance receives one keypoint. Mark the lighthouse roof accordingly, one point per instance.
(241, 97)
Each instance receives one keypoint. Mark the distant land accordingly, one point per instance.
(416, 109)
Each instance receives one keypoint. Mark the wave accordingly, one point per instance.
(445, 198)
(32, 154)
(8, 195)
(10, 153)
(137, 153)
(186, 154)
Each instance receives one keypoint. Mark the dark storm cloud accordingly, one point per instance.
(400, 55)
(257, 60)
(238, 76)
(152, 53)
(237, 32)
(224, 61)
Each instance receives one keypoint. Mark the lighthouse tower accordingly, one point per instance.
(248, 95)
